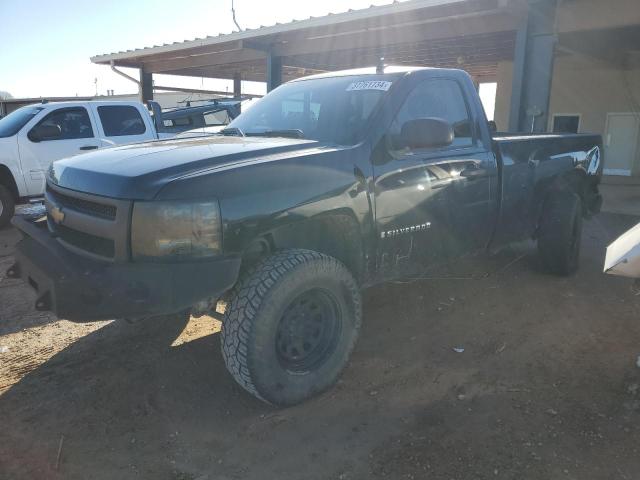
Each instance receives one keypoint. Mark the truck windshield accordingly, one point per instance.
(12, 123)
(335, 110)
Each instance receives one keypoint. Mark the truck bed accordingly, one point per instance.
(528, 163)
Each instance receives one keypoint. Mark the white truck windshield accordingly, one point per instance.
(12, 123)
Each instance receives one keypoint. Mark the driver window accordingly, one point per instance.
(121, 120)
(217, 117)
(439, 98)
(73, 122)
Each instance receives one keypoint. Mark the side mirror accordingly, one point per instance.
(493, 126)
(426, 133)
(45, 132)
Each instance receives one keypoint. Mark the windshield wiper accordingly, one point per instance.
(232, 131)
(287, 133)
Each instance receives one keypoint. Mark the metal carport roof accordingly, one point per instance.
(470, 34)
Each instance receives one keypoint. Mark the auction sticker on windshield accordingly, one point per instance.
(369, 85)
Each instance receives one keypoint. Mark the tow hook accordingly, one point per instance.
(14, 271)
(43, 303)
(204, 307)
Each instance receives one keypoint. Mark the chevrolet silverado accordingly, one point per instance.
(326, 186)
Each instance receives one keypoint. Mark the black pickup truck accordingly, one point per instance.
(328, 185)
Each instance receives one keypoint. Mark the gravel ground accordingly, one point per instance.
(503, 373)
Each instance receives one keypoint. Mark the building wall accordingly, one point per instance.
(575, 15)
(592, 88)
(581, 85)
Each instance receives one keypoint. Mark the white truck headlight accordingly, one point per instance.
(175, 230)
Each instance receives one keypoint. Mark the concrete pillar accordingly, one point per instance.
(533, 68)
(237, 85)
(504, 82)
(274, 71)
(146, 86)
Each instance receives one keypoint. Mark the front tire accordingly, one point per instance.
(7, 206)
(291, 325)
(560, 233)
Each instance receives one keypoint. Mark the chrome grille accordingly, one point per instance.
(87, 207)
(92, 225)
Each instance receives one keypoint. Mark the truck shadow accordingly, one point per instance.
(17, 304)
(108, 386)
(124, 402)
(16, 298)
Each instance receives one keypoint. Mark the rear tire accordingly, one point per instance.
(560, 233)
(291, 325)
(7, 206)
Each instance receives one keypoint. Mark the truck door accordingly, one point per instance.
(77, 134)
(120, 124)
(432, 205)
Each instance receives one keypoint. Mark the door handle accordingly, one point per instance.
(361, 183)
(472, 172)
(89, 147)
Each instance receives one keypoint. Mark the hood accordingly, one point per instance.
(140, 170)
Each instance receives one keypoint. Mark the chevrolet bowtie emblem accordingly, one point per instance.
(57, 215)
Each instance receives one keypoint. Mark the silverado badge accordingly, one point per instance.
(408, 229)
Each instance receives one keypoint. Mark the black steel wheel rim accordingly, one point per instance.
(308, 331)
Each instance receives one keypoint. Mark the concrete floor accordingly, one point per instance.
(621, 198)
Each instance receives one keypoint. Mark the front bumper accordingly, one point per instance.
(81, 289)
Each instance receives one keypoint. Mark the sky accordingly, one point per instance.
(50, 43)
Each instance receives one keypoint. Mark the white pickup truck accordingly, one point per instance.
(34, 136)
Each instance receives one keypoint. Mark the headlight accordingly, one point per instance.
(175, 230)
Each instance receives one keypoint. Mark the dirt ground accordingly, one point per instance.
(547, 386)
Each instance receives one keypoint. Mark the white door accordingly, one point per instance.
(621, 142)
(75, 134)
(121, 124)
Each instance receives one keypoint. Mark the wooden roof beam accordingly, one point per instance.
(494, 21)
(235, 55)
